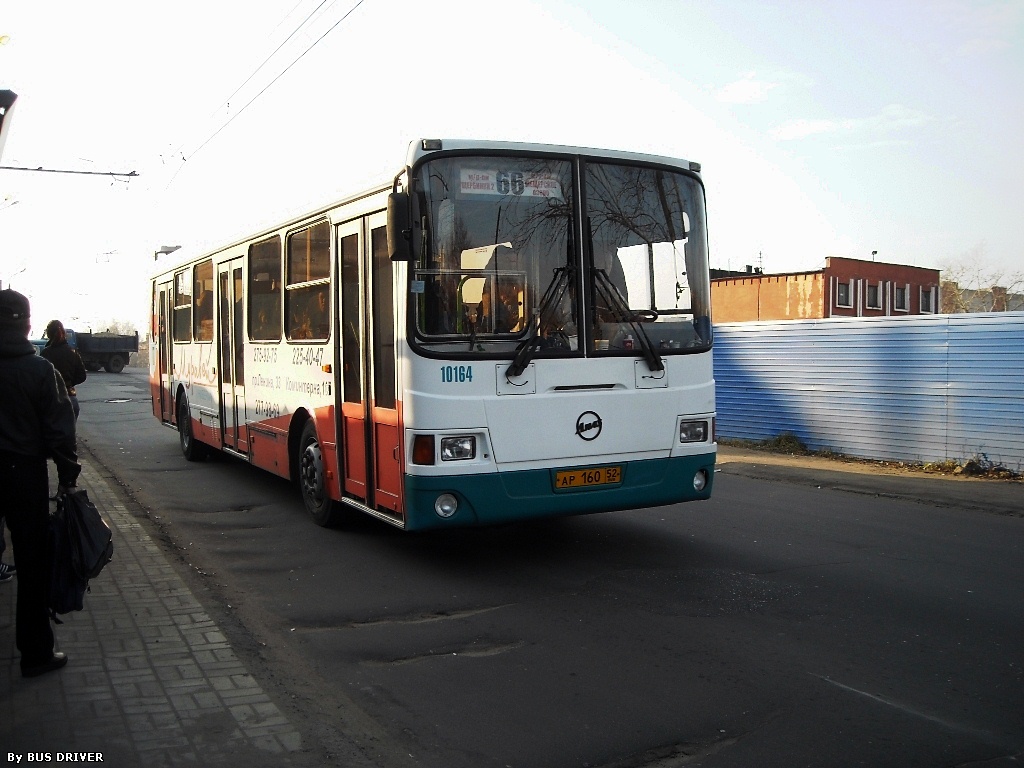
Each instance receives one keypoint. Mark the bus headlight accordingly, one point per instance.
(693, 431)
(458, 448)
(700, 480)
(446, 505)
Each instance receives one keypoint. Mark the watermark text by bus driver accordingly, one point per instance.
(55, 757)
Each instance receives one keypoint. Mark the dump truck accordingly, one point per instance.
(109, 351)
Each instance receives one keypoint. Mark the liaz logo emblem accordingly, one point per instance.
(588, 426)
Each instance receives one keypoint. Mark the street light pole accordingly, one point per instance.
(164, 250)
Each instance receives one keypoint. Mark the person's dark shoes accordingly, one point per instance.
(56, 661)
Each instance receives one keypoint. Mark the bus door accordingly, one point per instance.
(165, 346)
(232, 356)
(371, 456)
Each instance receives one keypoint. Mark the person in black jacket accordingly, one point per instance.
(66, 360)
(36, 422)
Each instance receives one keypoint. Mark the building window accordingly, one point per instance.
(874, 296)
(902, 291)
(844, 295)
(927, 300)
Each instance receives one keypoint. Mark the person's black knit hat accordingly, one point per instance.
(14, 308)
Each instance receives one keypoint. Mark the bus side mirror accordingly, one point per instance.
(399, 227)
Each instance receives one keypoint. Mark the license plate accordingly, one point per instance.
(586, 477)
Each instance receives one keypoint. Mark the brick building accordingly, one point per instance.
(844, 288)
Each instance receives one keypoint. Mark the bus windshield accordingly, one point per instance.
(498, 264)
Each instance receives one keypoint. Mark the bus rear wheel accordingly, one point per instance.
(191, 448)
(312, 481)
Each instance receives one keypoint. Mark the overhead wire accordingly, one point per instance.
(294, 32)
(249, 103)
(279, 76)
(40, 169)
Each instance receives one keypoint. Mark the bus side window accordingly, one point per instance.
(181, 321)
(202, 317)
(265, 290)
(309, 313)
(307, 309)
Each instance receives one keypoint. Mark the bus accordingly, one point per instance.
(503, 331)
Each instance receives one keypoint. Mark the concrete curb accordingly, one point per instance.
(1002, 497)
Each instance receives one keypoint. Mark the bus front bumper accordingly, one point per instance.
(505, 497)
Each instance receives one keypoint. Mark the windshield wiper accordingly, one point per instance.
(555, 291)
(624, 314)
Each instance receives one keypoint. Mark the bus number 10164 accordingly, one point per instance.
(456, 374)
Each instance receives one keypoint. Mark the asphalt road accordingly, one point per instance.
(790, 621)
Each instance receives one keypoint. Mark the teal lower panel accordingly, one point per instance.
(509, 496)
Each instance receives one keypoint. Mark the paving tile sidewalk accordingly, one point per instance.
(151, 681)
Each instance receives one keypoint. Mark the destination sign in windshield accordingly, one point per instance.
(518, 183)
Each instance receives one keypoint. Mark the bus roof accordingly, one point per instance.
(421, 148)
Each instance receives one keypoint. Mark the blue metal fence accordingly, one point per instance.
(919, 388)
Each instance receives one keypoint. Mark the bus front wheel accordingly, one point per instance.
(313, 478)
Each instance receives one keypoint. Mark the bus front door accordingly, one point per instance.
(371, 456)
(232, 356)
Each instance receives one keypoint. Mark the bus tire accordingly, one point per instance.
(191, 448)
(312, 479)
(114, 365)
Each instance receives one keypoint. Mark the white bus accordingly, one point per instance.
(505, 331)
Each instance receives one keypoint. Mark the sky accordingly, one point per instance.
(824, 128)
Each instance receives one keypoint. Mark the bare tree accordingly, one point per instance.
(970, 284)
